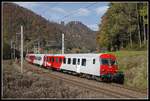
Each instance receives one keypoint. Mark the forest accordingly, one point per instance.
(124, 26)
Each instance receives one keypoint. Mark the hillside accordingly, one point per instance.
(80, 36)
(37, 27)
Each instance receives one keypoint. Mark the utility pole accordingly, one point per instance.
(62, 43)
(11, 48)
(21, 49)
(38, 46)
(34, 49)
(14, 51)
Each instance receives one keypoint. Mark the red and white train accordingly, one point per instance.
(100, 66)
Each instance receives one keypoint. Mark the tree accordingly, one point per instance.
(121, 26)
(137, 11)
(143, 13)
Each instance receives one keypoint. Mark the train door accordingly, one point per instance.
(45, 60)
(78, 65)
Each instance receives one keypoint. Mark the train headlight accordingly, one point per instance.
(49, 64)
(103, 70)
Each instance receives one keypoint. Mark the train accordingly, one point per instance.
(102, 66)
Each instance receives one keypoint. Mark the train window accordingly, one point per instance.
(69, 60)
(48, 59)
(60, 60)
(52, 59)
(57, 60)
(32, 57)
(78, 61)
(64, 60)
(74, 61)
(83, 62)
(108, 62)
(39, 58)
(93, 61)
(105, 61)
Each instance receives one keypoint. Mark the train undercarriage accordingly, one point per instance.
(116, 78)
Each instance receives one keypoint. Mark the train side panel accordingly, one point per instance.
(68, 64)
(39, 59)
(103, 65)
(53, 61)
(82, 63)
(92, 66)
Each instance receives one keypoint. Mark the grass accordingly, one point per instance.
(128, 53)
(134, 64)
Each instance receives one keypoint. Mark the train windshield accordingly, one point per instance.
(108, 62)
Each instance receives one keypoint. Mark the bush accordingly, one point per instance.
(134, 65)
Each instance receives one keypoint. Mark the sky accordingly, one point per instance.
(89, 13)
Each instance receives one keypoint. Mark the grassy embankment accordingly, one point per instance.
(134, 64)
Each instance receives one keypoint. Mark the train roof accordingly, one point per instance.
(80, 54)
(88, 55)
(73, 54)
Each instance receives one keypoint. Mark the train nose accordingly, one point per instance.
(112, 70)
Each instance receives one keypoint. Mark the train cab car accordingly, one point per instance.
(109, 68)
(102, 65)
(30, 58)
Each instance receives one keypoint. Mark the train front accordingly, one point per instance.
(109, 69)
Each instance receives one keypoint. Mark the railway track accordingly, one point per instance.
(129, 88)
(108, 89)
(114, 85)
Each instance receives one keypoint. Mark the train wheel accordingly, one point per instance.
(121, 80)
(98, 78)
(87, 76)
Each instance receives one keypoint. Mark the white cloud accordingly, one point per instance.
(101, 10)
(93, 27)
(59, 10)
(27, 4)
(83, 12)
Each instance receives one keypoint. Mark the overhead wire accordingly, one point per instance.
(74, 12)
